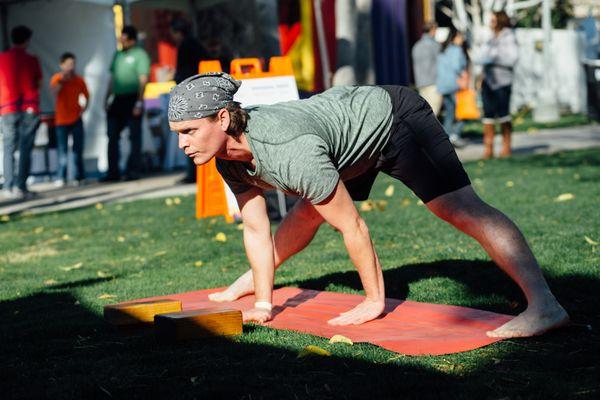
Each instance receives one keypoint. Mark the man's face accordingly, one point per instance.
(68, 66)
(201, 139)
(177, 37)
(126, 42)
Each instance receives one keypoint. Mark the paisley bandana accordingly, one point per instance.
(201, 96)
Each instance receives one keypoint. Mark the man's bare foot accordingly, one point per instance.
(364, 312)
(533, 322)
(259, 315)
(242, 286)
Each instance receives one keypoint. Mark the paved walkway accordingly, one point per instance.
(51, 199)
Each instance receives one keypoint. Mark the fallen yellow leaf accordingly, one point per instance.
(71, 268)
(5, 218)
(177, 201)
(49, 282)
(221, 237)
(381, 204)
(160, 253)
(340, 339)
(121, 239)
(420, 203)
(212, 221)
(510, 184)
(107, 296)
(99, 206)
(169, 202)
(405, 203)
(311, 350)
(565, 197)
(66, 237)
(366, 205)
(198, 264)
(590, 241)
(39, 229)
(240, 227)
(102, 274)
(389, 192)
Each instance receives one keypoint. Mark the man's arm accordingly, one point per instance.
(339, 211)
(139, 104)
(108, 93)
(259, 250)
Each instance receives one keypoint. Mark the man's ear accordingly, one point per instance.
(224, 119)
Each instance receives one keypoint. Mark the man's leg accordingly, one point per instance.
(62, 147)
(78, 140)
(10, 137)
(505, 244)
(295, 232)
(134, 162)
(29, 126)
(114, 125)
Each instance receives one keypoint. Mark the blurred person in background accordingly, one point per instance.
(67, 86)
(20, 81)
(451, 69)
(498, 56)
(130, 69)
(424, 55)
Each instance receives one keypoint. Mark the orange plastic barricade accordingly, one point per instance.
(211, 197)
(406, 327)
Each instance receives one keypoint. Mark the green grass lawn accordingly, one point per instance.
(58, 270)
(523, 122)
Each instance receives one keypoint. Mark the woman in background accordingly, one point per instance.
(451, 68)
(498, 57)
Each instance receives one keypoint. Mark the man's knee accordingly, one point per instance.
(459, 208)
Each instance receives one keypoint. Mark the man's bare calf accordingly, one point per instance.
(505, 244)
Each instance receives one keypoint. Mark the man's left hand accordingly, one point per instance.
(364, 312)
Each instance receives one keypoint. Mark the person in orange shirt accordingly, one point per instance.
(68, 87)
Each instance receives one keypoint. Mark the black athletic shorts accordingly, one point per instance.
(418, 152)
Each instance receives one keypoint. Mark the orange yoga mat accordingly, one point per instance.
(407, 327)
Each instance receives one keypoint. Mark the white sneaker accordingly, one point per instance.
(59, 183)
(8, 194)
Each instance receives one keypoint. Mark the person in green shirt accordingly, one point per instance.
(328, 150)
(129, 71)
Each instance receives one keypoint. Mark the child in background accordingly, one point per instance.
(68, 87)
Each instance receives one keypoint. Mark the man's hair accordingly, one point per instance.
(452, 34)
(429, 26)
(130, 32)
(238, 119)
(181, 26)
(65, 56)
(20, 34)
(503, 20)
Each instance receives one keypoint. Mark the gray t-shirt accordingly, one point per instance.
(305, 147)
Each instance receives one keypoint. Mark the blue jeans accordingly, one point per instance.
(62, 140)
(18, 132)
(452, 127)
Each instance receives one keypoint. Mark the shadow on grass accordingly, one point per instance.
(52, 346)
(482, 279)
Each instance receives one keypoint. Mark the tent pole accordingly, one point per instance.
(322, 44)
